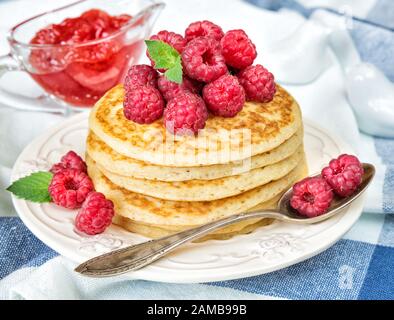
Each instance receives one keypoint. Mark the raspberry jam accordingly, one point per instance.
(82, 66)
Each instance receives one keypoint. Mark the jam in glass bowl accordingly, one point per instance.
(78, 52)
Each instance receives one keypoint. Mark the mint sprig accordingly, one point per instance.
(33, 187)
(166, 57)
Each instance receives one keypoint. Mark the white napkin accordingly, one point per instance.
(57, 280)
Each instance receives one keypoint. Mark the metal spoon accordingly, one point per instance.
(140, 255)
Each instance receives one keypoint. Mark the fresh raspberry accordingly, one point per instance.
(258, 83)
(173, 39)
(202, 59)
(224, 97)
(143, 104)
(96, 214)
(69, 161)
(237, 49)
(311, 197)
(170, 89)
(203, 29)
(185, 114)
(344, 174)
(141, 75)
(69, 188)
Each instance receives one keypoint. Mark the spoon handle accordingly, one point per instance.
(140, 255)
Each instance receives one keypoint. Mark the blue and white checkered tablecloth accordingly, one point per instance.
(359, 266)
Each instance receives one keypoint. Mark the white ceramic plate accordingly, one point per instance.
(267, 249)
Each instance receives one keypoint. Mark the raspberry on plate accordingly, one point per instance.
(344, 174)
(69, 161)
(224, 97)
(170, 89)
(143, 104)
(185, 114)
(311, 197)
(203, 29)
(69, 188)
(175, 40)
(141, 75)
(95, 215)
(258, 82)
(237, 49)
(202, 59)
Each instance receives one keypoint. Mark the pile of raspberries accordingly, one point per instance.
(218, 77)
(72, 188)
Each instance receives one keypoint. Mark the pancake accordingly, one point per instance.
(207, 190)
(119, 164)
(258, 128)
(158, 231)
(151, 210)
(243, 227)
(152, 231)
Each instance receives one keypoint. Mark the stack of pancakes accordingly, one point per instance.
(161, 184)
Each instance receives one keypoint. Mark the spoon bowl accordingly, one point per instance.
(337, 205)
(140, 255)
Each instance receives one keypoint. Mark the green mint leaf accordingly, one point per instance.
(164, 56)
(33, 187)
(174, 74)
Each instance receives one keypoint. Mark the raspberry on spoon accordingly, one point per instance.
(311, 197)
(344, 174)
